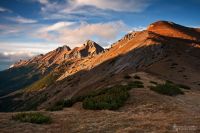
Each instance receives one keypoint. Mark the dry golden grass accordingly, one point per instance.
(145, 111)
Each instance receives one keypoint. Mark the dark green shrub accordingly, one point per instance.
(108, 98)
(37, 118)
(112, 99)
(167, 89)
(136, 84)
(68, 103)
(78, 99)
(127, 77)
(184, 86)
(170, 82)
(153, 82)
(55, 108)
(174, 64)
(61, 104)
(136, 77)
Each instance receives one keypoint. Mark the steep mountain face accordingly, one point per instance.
(166, 50)
(26, 72)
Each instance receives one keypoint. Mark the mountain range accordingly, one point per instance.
(165, 49)
(165, 54)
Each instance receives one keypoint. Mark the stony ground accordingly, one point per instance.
(144, 112)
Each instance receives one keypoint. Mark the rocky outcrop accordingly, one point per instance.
(89, 48)
(63, 48)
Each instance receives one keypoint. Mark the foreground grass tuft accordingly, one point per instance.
(167, 89)
(37, 118)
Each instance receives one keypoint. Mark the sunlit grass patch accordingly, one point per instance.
(37, 118)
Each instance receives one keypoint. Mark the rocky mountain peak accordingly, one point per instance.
(63, 48)
(89, 48)
(160, 24)
(90, 43)
(173, 30)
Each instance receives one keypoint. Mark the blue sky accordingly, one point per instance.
(30, 27)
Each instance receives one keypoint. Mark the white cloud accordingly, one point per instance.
(9, 58)
(16, 56)
(22, 20)
(11, 52)
(2, 9)
(33, 48)
(17, 29)
(50, 7)
(116, 5)
(10, 29)
(74, 36)
(56, 26)
(89, 8)
(43, 1)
